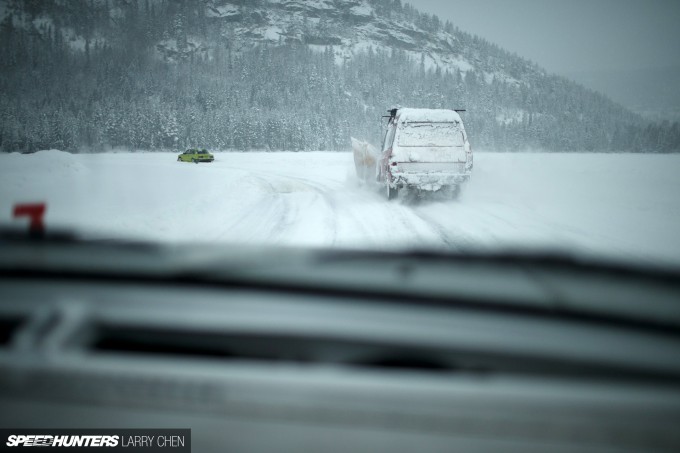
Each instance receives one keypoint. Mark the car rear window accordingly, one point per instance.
(430, 135)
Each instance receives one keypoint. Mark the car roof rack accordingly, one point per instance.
(393, 112)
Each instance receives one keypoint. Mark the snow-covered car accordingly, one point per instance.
(195, 155)
(424, 149)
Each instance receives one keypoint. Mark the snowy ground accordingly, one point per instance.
(622, 205)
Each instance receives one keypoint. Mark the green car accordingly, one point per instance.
(195, 155)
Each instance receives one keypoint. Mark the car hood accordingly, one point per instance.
(544, 284)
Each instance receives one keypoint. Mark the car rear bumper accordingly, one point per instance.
(429, 176)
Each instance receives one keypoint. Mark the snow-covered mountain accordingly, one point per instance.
(351, 27)
(278, 74)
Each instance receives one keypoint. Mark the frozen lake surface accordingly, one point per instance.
(620, 205)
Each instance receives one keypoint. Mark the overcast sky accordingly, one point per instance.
(566, 36)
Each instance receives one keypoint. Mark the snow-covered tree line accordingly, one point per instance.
(94, 77)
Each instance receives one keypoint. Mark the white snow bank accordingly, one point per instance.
(603, 204)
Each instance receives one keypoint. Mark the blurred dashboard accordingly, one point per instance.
(309, 350)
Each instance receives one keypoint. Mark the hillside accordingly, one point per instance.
(653, 92)
(280, 75)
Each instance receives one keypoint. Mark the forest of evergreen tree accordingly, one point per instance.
(285, 96)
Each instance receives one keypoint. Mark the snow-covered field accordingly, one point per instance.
(613, 204)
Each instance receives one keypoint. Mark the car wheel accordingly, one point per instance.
(454, 191)
(392, 192)
(451, 192)
(179, 159)
(194, 161)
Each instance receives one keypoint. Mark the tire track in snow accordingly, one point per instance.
(341, 206)
(280, 213)
(454, 241)
(325, 195)
(266, 220)
(363, 215)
